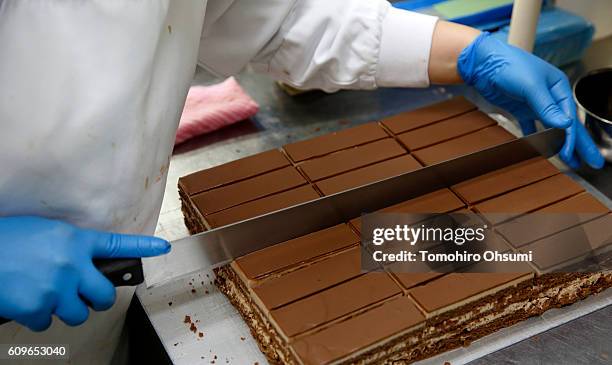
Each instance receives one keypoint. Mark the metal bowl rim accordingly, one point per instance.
(587, 111)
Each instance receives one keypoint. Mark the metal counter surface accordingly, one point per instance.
(283, 119)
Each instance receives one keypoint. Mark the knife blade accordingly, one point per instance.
(217, 247)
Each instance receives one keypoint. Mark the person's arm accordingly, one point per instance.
(315, 44)
(448, 41)
(364, 44)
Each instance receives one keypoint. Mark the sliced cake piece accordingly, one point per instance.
(430, 114)
(528, 198)
(464, 145)
(336, 141)
(445, 130)
(351, 158)
(261, 206)
(504, 180)
(368, 174)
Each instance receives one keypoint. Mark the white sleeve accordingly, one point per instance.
(322, 44)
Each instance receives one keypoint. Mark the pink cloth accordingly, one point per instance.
(209, 108)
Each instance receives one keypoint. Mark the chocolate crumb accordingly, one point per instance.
(242, 338)
(255, 363)
(193, 328)
(200, 334)
(193, 290)
(170, 304)
(447, 363)
(187, 319)
(215, 357)
(206, 291)
(176, 344)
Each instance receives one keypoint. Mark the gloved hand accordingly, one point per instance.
(47, 269)
(529, 88)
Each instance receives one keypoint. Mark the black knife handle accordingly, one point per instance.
(120, 272)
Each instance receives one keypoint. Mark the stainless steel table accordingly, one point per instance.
(284, 119)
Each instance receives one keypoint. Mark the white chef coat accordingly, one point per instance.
(91, 93)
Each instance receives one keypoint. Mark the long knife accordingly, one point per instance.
(220, 246)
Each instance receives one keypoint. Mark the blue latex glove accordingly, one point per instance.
(47, 269)
(529, 88)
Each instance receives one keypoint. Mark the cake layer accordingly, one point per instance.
(298, 284)
(370, 338)
(352, 158)
(296, 251)
(430, 114)
(445, 130)
(260, 186)
(503, 180)
(233, 171)
(359, 332)
(528, 198)
(464, 145)
(572, 243)
(336, 141)
(368, 174)
(262, 206)
(335, 302)
(455, 289)
(551, 219)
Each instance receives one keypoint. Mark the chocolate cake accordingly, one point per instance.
(308, 302)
